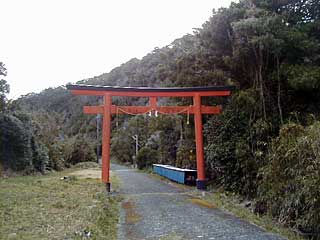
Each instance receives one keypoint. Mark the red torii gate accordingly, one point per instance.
(107, 109)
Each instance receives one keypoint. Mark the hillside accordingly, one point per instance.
(265, 145)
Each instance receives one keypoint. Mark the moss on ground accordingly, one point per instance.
(51, 207)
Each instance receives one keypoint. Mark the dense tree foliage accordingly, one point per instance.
(4, 87)
(20, 149)
(265, 143)
(290, 181)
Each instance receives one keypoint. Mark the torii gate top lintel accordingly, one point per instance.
(107, 109)
(96, 90)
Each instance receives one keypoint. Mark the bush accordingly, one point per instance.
(56, 156)
(69, 151)
(40, 155)
(82, 151)
(290, 186)
(20, 151)
(122, 146)
(236, 145)
(146, 157)
(15, 144)
(186, 154)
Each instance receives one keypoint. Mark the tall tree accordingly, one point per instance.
(4, 87)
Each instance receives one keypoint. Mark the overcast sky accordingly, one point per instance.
(49, 43)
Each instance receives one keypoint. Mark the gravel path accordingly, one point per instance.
(154, 209)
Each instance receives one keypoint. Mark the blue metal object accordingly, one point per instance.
(180, 175)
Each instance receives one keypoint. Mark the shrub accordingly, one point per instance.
(236, 145)
(56, 158)
(122, 146)
(69, 151)
(186, 154)
(40, 155)
(82, 151)
(146, 157)
(15, 144)
(20, 151)
(290, 186)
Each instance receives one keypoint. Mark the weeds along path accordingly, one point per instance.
(66, 205)
(154, 209)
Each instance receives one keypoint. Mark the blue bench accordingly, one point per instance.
(180, 175)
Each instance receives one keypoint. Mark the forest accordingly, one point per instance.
(265, 146)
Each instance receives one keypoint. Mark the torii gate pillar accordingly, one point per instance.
(106, 136)
(107, 109)
(201, 175)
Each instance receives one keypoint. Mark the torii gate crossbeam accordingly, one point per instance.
(107, 109)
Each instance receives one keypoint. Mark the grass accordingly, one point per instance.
(231, 203)
(48, 207)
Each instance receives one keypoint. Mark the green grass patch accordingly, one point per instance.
(49, 207)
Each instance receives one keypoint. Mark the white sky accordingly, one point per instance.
(48, 43)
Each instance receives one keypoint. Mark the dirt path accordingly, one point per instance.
(153, 209)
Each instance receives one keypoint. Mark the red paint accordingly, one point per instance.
(106, 131)
(199, 139)
(160, 109)
(153, 102)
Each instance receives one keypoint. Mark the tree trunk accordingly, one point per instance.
(263, 104)
(260, 62)
(259, 59)
(279, 91)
